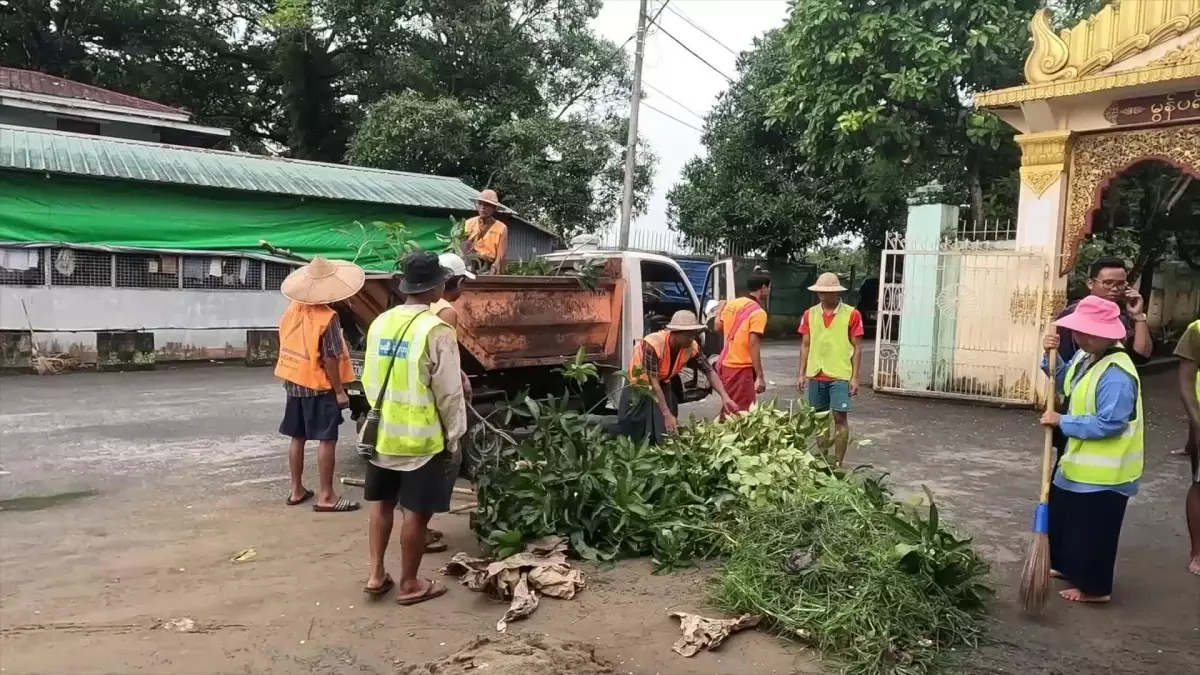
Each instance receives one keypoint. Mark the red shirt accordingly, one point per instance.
(855, 329)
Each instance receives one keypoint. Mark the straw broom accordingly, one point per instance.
(1035, 575)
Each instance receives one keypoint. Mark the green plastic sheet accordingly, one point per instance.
(52, 208)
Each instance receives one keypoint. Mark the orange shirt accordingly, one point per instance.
(738, 355)
(487, 246)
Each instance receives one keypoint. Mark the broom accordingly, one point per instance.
(1035, 575)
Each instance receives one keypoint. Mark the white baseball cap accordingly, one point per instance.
(455, 264)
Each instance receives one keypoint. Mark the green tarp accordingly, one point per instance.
(39, 208)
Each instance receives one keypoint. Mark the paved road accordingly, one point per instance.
(199, 431)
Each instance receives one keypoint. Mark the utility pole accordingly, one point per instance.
(635, 102)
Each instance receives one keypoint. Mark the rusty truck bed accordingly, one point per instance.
(518, 321)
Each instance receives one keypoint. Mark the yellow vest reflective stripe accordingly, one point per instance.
(409, 425)
(829, 349)
(1106, 461)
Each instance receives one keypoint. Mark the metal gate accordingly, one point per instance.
(961, 318)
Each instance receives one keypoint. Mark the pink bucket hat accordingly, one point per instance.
(1095, 316)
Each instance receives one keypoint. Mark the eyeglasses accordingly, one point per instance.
(1112, 284)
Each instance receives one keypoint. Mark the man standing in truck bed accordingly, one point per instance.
(487, 237)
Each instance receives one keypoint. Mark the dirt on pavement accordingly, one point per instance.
(515, 655)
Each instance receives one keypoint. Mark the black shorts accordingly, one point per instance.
(313, 418)
(424, 490)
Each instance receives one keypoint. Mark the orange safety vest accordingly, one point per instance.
(300, 332)
(487, 245)
(661, 344)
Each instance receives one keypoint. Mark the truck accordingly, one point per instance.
(515, 332)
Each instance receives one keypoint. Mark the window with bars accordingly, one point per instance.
(136, 270)
(73, 267)
(276, 273)
(22, 266)
(219, 273)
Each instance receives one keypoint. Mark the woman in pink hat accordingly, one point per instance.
(1102, 465)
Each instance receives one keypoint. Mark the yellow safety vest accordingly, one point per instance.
(1105, 461)
(409, 425)
(830, 349)
(1196, 327)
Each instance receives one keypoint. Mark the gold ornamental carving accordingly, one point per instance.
(1069, 63)
(1097, 159)
(1113, 34)
(1023, 306)
(1187, 54)
(1043, 157)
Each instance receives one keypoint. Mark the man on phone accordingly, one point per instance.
(1108, 279)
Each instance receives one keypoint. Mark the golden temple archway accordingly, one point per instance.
(1120, 87)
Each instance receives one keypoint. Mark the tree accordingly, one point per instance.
(539, 95)
(755, 189)
(891, 80)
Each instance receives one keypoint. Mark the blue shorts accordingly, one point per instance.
(828, 395)
(313, 418)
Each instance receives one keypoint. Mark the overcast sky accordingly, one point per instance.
(678, 75)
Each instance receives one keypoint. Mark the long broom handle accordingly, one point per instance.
(1048, 446)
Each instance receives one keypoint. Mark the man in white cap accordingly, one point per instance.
(314, 363)
(830, 357)
(454, 285)
(657, 360)
(487, 237)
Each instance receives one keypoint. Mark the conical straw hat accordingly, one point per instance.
(322, 281)
(827, 283)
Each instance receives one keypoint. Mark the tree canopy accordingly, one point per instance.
(866, 100)
(517, 95)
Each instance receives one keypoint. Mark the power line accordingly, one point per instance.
(668, 97)
(679, 13)
(693, 53)
(672, 117)
(611, 57)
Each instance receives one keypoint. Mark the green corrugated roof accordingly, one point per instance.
(116, 158)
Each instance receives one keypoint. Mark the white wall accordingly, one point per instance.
(69, 309)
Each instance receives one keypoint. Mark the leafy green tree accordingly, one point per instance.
(756, 190)
(892, 80)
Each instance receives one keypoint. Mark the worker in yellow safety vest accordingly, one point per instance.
(1188, 351)
(1102, 465)
(412, 379)
(830, 355)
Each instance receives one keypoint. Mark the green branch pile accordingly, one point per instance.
(827, 557)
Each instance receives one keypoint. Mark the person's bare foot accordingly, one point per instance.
(1194, 566)
(1076, 595)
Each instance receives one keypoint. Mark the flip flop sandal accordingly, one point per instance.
(381, 589)
(435, 546)
(436, 590)
(343, 505)
(308, 494)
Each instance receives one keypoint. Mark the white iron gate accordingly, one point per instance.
(961, 319)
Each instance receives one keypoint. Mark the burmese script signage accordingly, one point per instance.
(1181, 105)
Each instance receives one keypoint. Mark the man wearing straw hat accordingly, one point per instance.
(487, 237)
(830, 357)
(313, 364)
(413, 380)
(1102, 467)
(657, 360)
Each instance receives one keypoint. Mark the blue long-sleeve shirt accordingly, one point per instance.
(1116, 406)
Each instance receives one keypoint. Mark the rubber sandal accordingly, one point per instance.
(436, 590)
(308, 494)
(343, 505)
(436, 546)
(382, 589)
